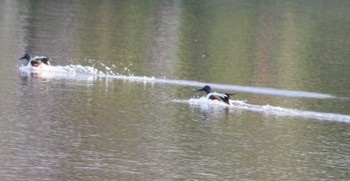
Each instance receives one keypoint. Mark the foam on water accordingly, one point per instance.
(89, 73)
(75, 72)
(72, 70)
(267, 109)
(61, 70)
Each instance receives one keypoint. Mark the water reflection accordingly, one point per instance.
(267, 44)
(111, 125)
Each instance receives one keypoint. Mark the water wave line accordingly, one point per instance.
(90, 71)
(206, 105)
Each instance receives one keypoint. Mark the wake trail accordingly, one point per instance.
(88, 72)
(205, 103)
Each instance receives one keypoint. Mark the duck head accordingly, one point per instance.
(206, 89)
(26, 57)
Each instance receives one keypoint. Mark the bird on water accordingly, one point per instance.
(36, 61)
(224, 97)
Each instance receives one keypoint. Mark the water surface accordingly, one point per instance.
(119, 102)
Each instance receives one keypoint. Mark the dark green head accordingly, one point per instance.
(206, 89)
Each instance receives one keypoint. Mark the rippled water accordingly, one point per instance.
(120, 102)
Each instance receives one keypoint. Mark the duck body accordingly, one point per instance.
(224, 97)
(37, 60)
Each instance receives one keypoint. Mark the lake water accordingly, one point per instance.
(120, 102)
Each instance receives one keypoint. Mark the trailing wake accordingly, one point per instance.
(266, 109)
(89, 73)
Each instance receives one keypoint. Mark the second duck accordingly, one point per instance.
(224, 97)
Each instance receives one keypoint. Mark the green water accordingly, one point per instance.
(92, 127)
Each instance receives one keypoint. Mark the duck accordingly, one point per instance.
(37, 60)
(223, 97)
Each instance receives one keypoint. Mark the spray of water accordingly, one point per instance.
(90, 73)
(206, 104)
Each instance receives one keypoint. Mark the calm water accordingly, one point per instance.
(119, 102)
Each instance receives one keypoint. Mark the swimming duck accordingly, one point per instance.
(36, 61)
(215, 95)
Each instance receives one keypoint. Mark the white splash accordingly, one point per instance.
(69, 71)
(203, 102)
(88, 73)
(77, 72)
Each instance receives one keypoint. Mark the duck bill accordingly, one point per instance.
(202, 89)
